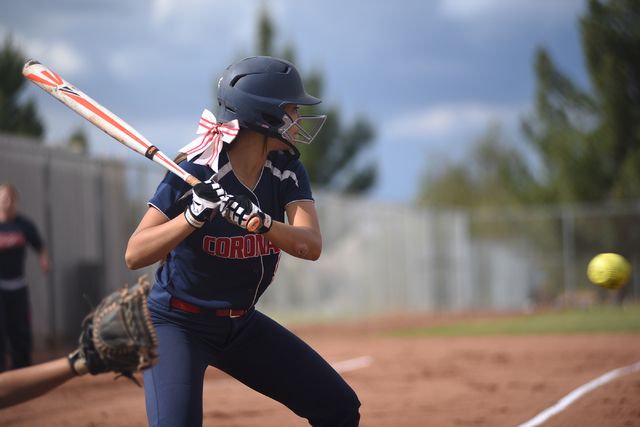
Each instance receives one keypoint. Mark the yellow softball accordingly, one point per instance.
(611, 271)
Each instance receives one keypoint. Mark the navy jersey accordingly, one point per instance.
(222, 266)
(14, 237)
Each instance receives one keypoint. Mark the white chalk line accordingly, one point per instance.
(579, 392)
(352, 364)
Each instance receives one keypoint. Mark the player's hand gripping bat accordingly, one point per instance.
(105, 120)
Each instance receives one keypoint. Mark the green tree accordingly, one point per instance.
(561, 132)
(590, 142)
(15, 117)
(611, 35)
(493, 173)
(78, 141)
(337, 158)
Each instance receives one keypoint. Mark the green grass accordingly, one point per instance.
(595, 320)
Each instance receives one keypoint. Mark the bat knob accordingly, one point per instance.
(254, 223)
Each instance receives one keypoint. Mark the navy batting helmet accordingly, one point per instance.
(255, 91)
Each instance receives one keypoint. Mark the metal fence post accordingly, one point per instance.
(569, 255)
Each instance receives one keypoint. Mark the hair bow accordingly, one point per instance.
(210, 143)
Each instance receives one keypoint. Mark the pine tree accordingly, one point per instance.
(15, 117)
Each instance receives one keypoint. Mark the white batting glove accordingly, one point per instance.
(208, 198)
(242, 212)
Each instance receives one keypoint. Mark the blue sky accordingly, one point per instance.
(431, 75)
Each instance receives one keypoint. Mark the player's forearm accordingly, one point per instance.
(300, 242)
(149, 245)
(20, 385)
(45, 261)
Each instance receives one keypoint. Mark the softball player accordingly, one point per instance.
(213, 270)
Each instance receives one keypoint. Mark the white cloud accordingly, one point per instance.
(161, 9)
(521, 10)
(463, 10)
(61, 57)
(57, 55)
(165, 10)
(483, 21)
(440, 120)
(120, 63)
(211, 17)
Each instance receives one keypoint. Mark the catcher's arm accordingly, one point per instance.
(21, 385)
(107, 344)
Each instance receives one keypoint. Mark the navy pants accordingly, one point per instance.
(255, 350)
(15, 327)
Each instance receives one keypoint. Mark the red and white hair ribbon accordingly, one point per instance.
(210, 143)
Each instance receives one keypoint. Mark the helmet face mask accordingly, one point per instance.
(304, 136)
(256, 90)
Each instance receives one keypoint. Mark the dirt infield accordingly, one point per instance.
(497, 381)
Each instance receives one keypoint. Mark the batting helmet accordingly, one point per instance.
(255, 91)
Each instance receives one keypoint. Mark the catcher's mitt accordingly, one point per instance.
(118, 335)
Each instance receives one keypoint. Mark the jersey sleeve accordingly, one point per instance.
(298, 186)
(32, 235)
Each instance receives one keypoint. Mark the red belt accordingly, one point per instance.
(191, 308)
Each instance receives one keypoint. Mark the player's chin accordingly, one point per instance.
(293, 141)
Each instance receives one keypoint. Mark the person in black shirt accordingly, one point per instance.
(16, 233)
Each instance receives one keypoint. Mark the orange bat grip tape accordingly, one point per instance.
(253, 223)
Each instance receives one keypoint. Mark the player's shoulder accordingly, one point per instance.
(177, 184)
(22, 219)
(202, 172)
(172, 186)
(285, 170)
(282, 162)
(23, 223)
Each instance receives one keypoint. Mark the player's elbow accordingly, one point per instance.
(313, 256)
(133, 260)
(309, 250)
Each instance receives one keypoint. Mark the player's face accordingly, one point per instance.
(8, 203)
(294, 113)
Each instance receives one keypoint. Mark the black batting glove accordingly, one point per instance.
(208, 198)
(241, 211)
(259, 223)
